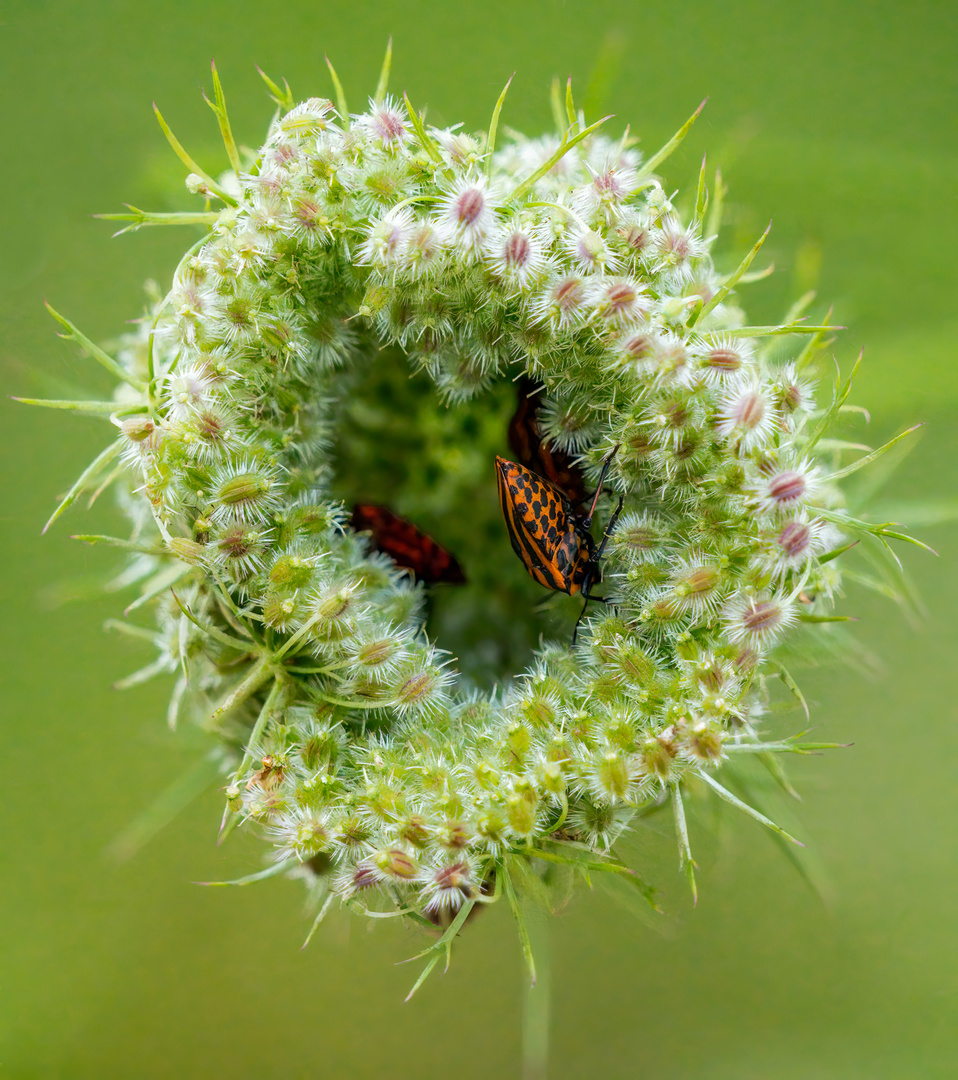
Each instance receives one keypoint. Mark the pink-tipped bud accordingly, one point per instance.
(387, 123)
(395, 863)
(784, 490)
(365, 877)
(639, 346)
(723, 362)
(563, 302)
(794, 539)
(620, 301)
(467, 215)
(746, 414)
(468, 206)
(637, 237)
(448, 888)
(787, 488)
(756, 621)
(517, 255)
(588, 250)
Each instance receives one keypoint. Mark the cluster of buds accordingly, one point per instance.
(364, 760)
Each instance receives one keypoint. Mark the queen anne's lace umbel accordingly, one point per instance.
(355, 751)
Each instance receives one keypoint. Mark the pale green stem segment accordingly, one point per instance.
(839, 397)
(793, 687)
(320, 915)
(116, 541)
(537, 1007)
(558, 108)
(656, 159)
(686, 862)
(283, 98)
(105, 483)
(341, 106)
(141, 633)
(99, 463)
(701, 198)
(798, 309)
(510, 892)
(777, 771)
(86, 408)
(567, 210)
(827, 618)
(295, 639)
(94, 351)
(211, 631)
(259, 727)
(443, 945)
(427, 142)
(873, 456)
(564, 147)
(357, 704)
(564, 812)
(878, 531)
(734, 800)
(141, 219)
(757, 275)
(494, 126)
(569, 854)
(731, 281)
(218, 105)
(250, 879)
(253, 681)
(571, 115)
(782, 747)
(181, 153)
(769, 331)
(380, 96)
(158, 667)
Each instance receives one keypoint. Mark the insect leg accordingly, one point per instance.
(608, 530)
(575, 629)
(587, 583)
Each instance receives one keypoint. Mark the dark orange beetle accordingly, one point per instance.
(551, 539)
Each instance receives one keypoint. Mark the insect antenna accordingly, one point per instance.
(598, 491)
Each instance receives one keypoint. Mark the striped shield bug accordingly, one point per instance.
(552, 540)
(406, 545)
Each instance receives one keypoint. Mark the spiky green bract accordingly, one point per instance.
(357, 751)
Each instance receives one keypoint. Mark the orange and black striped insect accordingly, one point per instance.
(552, 540)
(407, 546)
(534, 452)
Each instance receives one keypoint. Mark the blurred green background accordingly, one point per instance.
(836, 120)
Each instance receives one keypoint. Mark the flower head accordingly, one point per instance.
(466, 215)
(756, 621)
(388, 238)
(386, 122)
(747, 416)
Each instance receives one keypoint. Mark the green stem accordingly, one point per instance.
(537, 1007)
(246, 689)
(259, 727)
